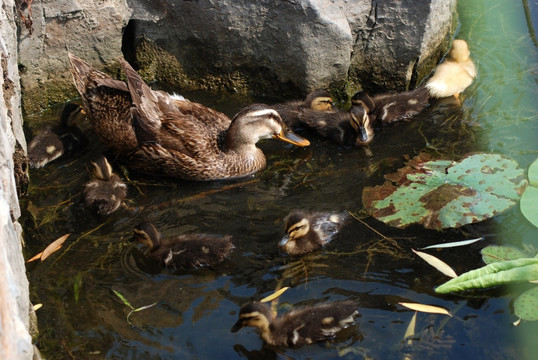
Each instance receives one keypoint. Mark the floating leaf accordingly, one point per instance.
(526, 305)
(453, 244)
(494, 274)
(441, 194)
(410, 331)
(425, 308)
(125, 301)
(529, 205)
(533, 173)
(494, 253)
(53, 246)
(138, 309)
(37, 307)
(274, 295)
(436, 263)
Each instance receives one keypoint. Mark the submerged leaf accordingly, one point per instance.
(494, 253)
(125, 301)
(425, 308)
(54, 246)
(494, 274)
(437, 263)
(526, 305)
(441, 194)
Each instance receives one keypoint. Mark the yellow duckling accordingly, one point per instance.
(301, 326)
(180, 252)
(307, 232)
(60, 140)
(455, 74)
(106, 191)
(316, 101)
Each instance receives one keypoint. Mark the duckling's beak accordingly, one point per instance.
(284, 240)
(289, 136)
(237, 326)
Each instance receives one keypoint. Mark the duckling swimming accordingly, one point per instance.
(159, 133)
(105, 193)
(188, 251)
(316, 101)
(307, 232)
(455, 74)
(301, 326)
(369, 112)
(60, 140)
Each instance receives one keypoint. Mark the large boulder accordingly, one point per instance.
(284, 48)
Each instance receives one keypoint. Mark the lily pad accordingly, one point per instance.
(529, 205)
(526, 305)
(441, 193)
(533, 173)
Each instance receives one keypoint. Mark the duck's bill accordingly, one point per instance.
(284, 241)
(291, 137)
(237, 326)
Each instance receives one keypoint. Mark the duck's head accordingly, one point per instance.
(296, 226)
(460, 51)
(319, 100)
(361, 105)
(259, 121)
(147, 234)
(102, 169)
(254, 314)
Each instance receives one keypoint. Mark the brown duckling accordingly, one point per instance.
(180, 252)
(106, 191)
(301, 326)
(307, 232)
(54, 142)
(369, 112)
(315, 101)
(455, 74)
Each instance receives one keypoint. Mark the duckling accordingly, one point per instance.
(106, 191)
(316, 101)
(455, 74)
(189, 251)
(60, 140)
(369, 112)
(163, 134)
(301, 326)
(306, 232)
(334, 125)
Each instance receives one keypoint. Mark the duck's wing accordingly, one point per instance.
(107, 103)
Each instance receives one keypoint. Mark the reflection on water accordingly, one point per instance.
(83, 318)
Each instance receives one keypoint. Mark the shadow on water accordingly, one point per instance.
(83, 318)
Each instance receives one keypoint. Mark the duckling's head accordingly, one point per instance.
(71, 114)
(102, 169)
(319, 100)
(460, 51)
(296, 226)
(360, 121)
(259, 121)
(147, 234)
(254, 314)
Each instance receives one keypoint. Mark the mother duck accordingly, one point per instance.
(159, 133)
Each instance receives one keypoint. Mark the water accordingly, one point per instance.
(81, 316)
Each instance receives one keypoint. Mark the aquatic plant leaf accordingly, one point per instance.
(532, 173)
(437, 263)
(274, 295)
(125, 301)
(410, 331)
(498, 273)
(35, 257)
(53, 246)
(495, 253)
(37, 307)
(529, 205)
(425, 308)
(440, 194)
(453, 244)
(526, 305)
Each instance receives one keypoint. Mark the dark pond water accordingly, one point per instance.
(82, 318)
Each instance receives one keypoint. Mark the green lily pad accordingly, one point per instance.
(494, 253)
(533, 173)
(529, 205)
(526, 305)
(441, 194)
(498, 273)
